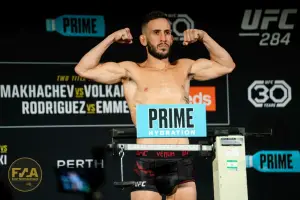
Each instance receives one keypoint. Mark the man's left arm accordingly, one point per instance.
(220, 62)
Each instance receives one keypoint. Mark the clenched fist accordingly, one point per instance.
(192, 35)
(123, 36)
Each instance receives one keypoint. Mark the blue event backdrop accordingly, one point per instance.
(262, 92)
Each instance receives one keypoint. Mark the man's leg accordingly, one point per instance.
(185, 191)
(145, 195)
(144, 188)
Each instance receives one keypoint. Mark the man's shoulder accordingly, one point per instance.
(184, 63)
(129, 65)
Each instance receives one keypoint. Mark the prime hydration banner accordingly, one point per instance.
(77, 25)
(275, 161)
(169, 121)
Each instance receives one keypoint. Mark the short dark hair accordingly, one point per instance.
(153, 15)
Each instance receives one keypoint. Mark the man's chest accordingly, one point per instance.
(161, 78)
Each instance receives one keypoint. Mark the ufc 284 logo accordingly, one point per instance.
(269, 93)
(259, 22)
(179, 23)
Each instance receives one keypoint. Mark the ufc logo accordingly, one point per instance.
(262, 19)
(141, 153)
(140, 184)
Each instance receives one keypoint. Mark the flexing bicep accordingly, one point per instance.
(204, 69)
(107, 73)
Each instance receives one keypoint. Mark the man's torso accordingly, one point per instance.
(147, 85)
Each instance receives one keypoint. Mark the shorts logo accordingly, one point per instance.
(140, 184)
(164, 154)
(141, 153)
(140, 169)
(203, 95)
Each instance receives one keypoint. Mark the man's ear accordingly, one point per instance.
(143, 40)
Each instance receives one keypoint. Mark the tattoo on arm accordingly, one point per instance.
(186, 98)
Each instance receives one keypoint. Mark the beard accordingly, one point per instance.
(153, 52)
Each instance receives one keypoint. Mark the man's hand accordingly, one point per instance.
(123, 36)
(192, 35)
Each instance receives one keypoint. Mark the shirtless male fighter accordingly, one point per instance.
(157, 81)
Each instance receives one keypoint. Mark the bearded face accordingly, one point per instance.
(160, 51)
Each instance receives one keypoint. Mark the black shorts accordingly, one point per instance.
(162, 171)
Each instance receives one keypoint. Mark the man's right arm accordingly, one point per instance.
(110, 72)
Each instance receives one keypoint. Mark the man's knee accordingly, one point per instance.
(185, 191)
(190, 184)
